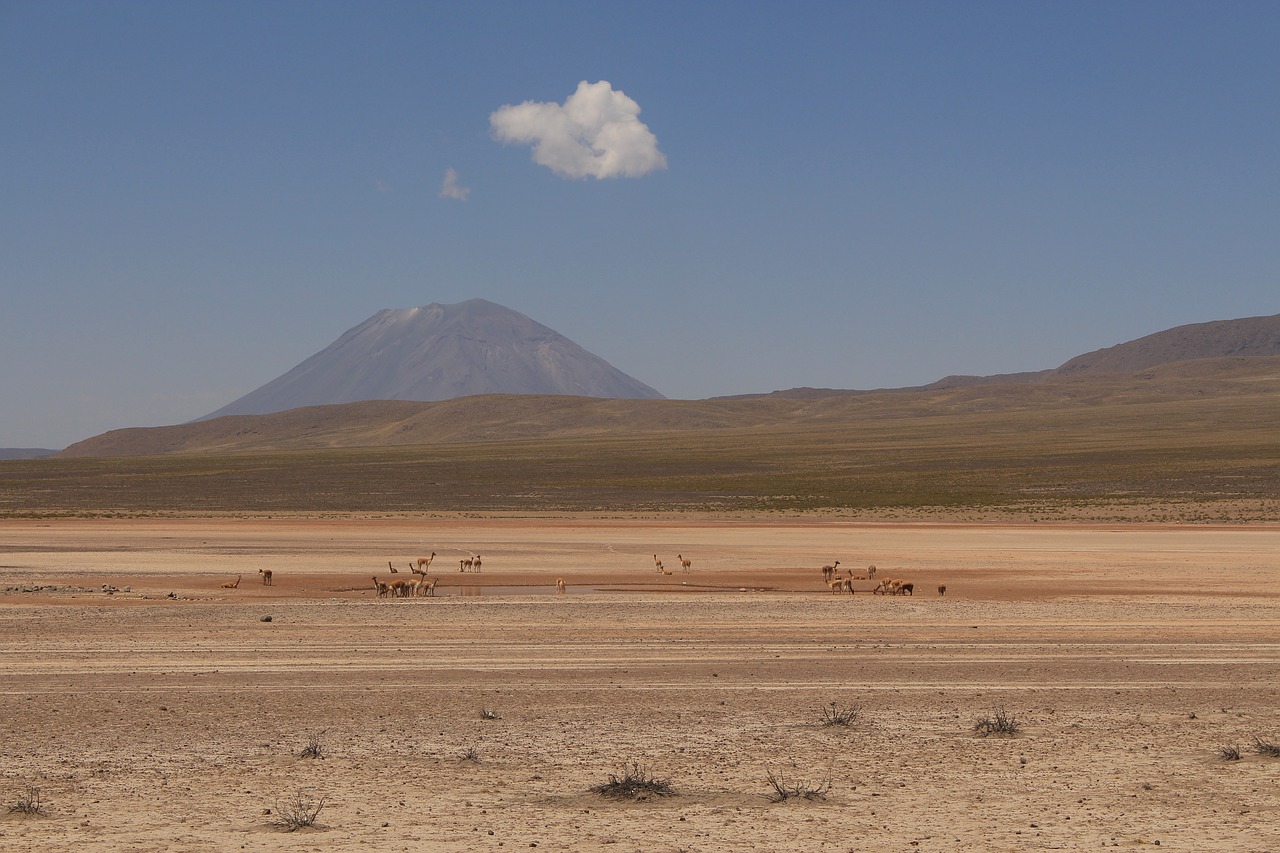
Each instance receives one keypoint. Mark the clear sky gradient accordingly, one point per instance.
(196, 196)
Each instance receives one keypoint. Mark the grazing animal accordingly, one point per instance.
(657, 564)
(380, 587)
(942, 589)
(905, 589)
(871, 571)
(464, 565)
(429, 586)
(399, 588)
(828, 572)
(884, 587)
(425, 562)
(266, 576)
(235, 584)
(847, 584)
(685, 565)
(559, 586)
(475, 562)
(836, 585)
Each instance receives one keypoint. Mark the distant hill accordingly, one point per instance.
(1251, 336)
(500, 418)
(1247, 337)
(441, 352)
(25, 452)
(1229, 358)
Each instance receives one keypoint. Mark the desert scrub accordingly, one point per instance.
(315, 746)
(788, 790)
(634, 783)
(28, 803)
(299, 812)
(833, 715)
(1266, 747)
(1001, 723)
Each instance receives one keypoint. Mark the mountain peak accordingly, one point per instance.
(439, 352)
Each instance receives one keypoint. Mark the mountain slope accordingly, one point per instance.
(387, 423)
(440, 352)
(1247, 337)
(1250, 336)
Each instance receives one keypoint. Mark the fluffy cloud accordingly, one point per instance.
(595, 133)
(451, 188)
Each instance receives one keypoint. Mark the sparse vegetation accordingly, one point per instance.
(1028, 449)
(472, 755)
(1001, 723)
(29, 802)
(314, 747)
(788, 790)
(1266, 747)
(634, 783)
(833, 715)
(489, 714)
(1229, 753)
(300, 811)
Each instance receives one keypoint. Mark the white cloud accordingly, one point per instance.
(451, 188)
(595, 133)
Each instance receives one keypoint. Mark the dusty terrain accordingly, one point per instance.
(171, 716)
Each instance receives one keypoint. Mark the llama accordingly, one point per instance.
(828, 572)
(235, 584)
(429, 586)
(475, 562)
(871, 571)
(559, 586)
(657, 564)
(685, 565)
(942, 589)
(266, 576)
(424, 563)
(379, 587)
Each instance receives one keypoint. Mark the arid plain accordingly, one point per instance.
(169, 715)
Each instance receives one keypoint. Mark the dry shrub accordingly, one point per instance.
(787, 790)
(1266, 747)
(299, 812)
(1002, 723)
(28, 802)
(634, 783)
(833, 715)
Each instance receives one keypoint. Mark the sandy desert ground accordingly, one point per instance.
(169, 715)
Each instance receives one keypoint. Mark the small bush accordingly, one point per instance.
(28, 802)
(634, 783)
(1229, 753)
(472, 755)
(784, 790)
(1001, 724)
(314, 747)
(489, 714)
(299, 812)
(1266, 747)
(833, 715)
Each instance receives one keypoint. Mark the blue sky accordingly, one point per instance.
(196, 196)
